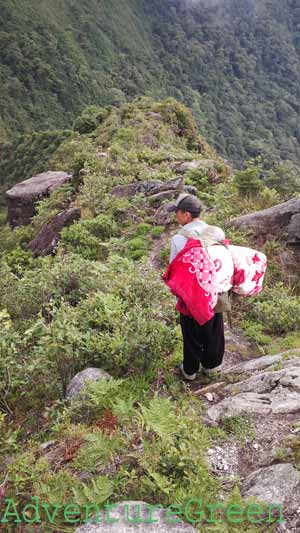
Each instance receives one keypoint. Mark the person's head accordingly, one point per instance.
(187, 208)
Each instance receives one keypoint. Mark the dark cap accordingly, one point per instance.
(186, 202)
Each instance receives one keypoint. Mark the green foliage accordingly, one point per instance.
(255, 331)
(90, 119)
(157, 231)
(247, 182)
(138, 247)
(58, 61)
(51, 205)
(28, 155)
(97, 492)
(96, 453)
(143, 228)
(159, 417)
(277, 309)
(180, 118)
(86, 236)
(242, 427)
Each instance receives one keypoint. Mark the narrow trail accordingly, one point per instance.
(258, 397)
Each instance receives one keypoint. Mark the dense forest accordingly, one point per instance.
(235, 63)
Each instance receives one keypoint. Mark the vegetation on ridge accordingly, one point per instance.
(98, 301)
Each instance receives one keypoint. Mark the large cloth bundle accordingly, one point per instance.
(249, 270)
(190, 276)
(197, 274)
(224, 267)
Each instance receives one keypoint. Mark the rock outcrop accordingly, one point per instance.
(274, 484)
(264, 393)
(21, 198)
(131, 189)
(277, 220)
(208, 166)
(136, 517)
(47, 238)
(79, 382)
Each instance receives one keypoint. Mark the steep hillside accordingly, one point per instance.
(235, 63)
(57, 57)
(98, 302)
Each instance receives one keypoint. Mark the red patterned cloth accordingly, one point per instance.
(191, 276)
(249, 270)
(196, 276)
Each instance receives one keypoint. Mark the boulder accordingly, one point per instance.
(190, 189)
(254, 364)
(79, 382)
(274, 484)
(265, 393)
(21, 199)
(274, 220)
(48, 237)
(136, 517)
(130, 189)
(171, 185)
(158, 198)
(209, 166)
(162, 217)
(294, 230)
(267, 381)
(247, 403)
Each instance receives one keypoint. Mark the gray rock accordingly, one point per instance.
(258, 363)
(130, 189)
(264, 393)
(21, 198)
(267, 381)
(79, 382)
(161, 196)
(269, 221)
(171, 185)
(293, 361)
(47, 444)
(140, 511)
(208, 165)
(249, 402)
(162, 217)
(273, 484)
(294, 230)
(190, 189)
(47, 238)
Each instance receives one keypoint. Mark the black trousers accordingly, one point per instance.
(202, 344)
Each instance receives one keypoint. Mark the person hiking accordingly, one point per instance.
(202, 344)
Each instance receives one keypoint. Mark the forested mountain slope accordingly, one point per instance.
(236, 63)
(98, 304)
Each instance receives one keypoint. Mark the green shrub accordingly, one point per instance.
(138, 247)
(90, 119)
(180, 116)
(143, 228)
(80, 238)
(277, 309)
(19, 260)
(248, 183)
(48, 207)
(157, 231)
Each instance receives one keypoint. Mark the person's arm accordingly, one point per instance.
(177, 243)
